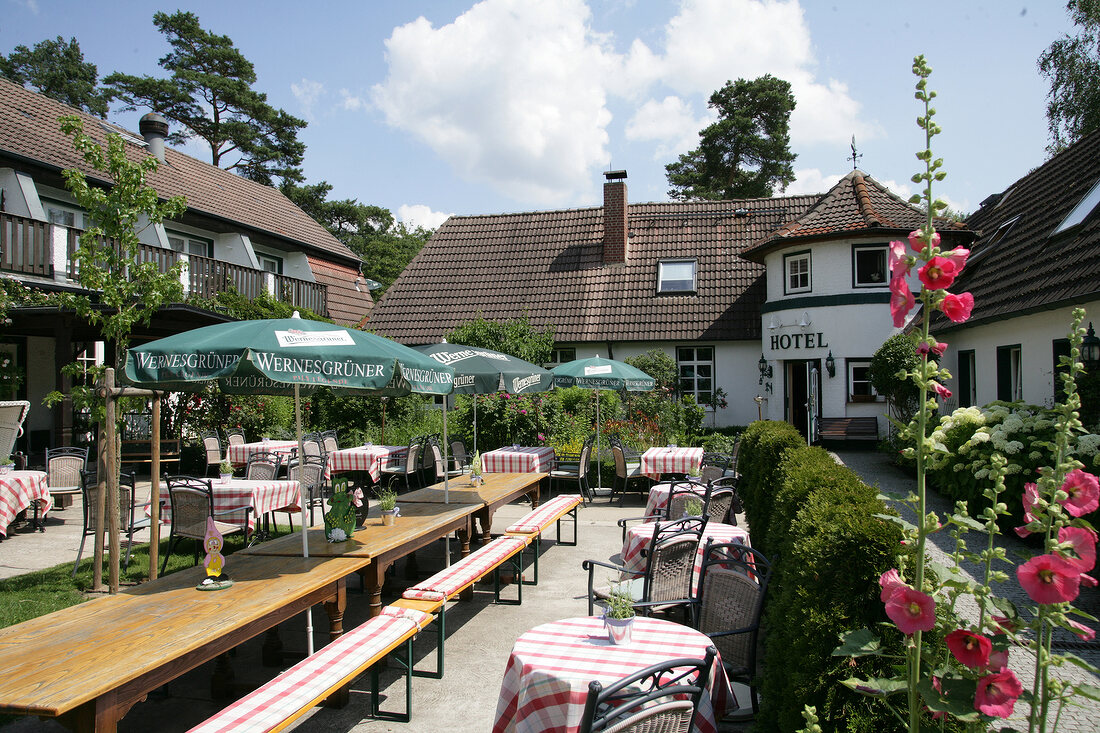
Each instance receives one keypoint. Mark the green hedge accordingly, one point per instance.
(828, 550)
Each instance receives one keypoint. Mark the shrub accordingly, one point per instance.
(762, 447)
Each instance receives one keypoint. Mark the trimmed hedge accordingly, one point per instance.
(828, 550)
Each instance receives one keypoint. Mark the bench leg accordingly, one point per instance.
(440, 636)
(558, 538)
(536, 547)
(406, 665)
(516, 563)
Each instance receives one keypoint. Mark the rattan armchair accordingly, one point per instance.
(575, 468)
(192, 504)
(129, 521)
(63, 468)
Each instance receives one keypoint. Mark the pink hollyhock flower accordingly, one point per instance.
(1049, 579)
(1088, 580)
(957, 257)
(969, 648)
(911, 610)
(938, 273)
(957, 307)
(998, 661)
(938, 688)
(897, 259)
(1031, 498)
(1003, 625)
(1084, 493)
(997, 693)
(1081, 630)
(942, 392)
(917, 243)
(933, 347)
(889, 581)
(1083, 543)
(901, 300)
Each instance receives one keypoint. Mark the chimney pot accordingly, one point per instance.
(154, 129)
(614, 218)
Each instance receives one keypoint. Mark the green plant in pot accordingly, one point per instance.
(618, 616)
(6, 464)
(387, 505)
(225, 468)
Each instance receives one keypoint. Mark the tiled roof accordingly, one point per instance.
(1025, 268)
(857, 204)
(549, 265)
(29, 129)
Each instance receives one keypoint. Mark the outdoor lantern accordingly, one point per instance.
(830, 364)
(765, 369)
(1090, 349)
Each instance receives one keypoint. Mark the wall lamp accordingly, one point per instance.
(1090, 349)
(830, 364)
(765, 369)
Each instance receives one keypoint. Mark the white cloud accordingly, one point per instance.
(670, 122)
(812, 180)
(308, 93)
(421, 215)
(31, 5)
(352, 102)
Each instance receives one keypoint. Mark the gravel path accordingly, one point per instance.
(1082, 717)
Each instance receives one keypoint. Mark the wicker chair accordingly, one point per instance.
(212, 444)
(311, 474)
(329, 441)
(626, 470)
(662, 698)
(575, 468)
(235, 436)
(732, 585)
(12, 415)
(128, 520)
(460, 459)
(719, 504)
(665, 583)
(403, 467)
(679, 494)
(263, 466)
(713, 466)
(436, 452)
(192, 503)
(736, 505)
(63, 467)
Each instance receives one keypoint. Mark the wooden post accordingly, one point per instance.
(100, 501)
(112, 482)
(154, 492)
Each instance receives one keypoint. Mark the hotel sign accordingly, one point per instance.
(784, 341)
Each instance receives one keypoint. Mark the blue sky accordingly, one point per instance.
(431, 108)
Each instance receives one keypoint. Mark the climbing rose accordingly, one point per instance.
(1083, 542)
(1031, 498)
(1084, 493)
(957, 307)
(898, 260)
(890, 581)
(1049, 579)
(969, 648)
(938, 273)
(997, 693)
(917, 244)
(911, 610)
(901, 300)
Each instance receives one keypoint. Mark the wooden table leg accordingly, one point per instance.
(484, 517)
(375, 575)
(335, 610)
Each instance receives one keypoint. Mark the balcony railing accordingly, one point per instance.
(27, 247)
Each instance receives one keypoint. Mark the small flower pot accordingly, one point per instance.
(619, 629)
(226, 477)
(7, 468)
(476, 480)
(389, 516)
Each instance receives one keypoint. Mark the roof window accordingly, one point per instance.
(1081, 211)
(676, 276)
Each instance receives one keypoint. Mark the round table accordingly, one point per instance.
(639, 536)
(546, 680)
(658, 495)
(18, 490)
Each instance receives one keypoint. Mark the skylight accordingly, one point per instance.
(124, 134)
(1082, 210)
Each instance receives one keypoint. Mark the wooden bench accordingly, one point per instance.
(284, 699)
(848, 428)
(141, 451)
(537, 521)
(430, 596)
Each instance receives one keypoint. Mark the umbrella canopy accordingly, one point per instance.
(598, 373)
(484, 371)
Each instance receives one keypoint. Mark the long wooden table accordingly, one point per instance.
(378, 545)
(89, 664)
(496, 490)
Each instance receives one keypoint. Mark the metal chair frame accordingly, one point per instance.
(184, 490)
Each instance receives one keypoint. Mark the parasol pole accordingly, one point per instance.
(446, 482)
(302, 505)
(475, 424)
(599, 463)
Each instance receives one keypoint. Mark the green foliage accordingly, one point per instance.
(896, 355)
(747, 152)
(620, 604)
(231, 302)
(828, 549)
(210, 94)
(763, 445)
(659, 365)
(517, 337)
(57, 70)
(387, 253)
(387, 498)
(1072, 66)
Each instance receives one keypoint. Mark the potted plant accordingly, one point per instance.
(618, 617)
(387, 505)
(475, 469)
(226, 470)
(6, 464)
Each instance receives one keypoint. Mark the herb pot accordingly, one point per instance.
(389, 516)
(618, 629)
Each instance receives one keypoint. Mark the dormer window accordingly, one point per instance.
(1082, 210)
(796, 271)
(869, 265)
(676, 276)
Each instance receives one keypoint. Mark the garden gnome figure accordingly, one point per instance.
(215, 561)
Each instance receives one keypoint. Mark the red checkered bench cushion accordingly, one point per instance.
(449, 581)
(539, 519)
(311, 680)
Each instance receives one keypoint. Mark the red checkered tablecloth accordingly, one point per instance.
(657, 461)
(518, 460)
(546, 681)
(639, 536)
(17, 490)
(238, 454)
(368, 458)
(658, 495)
(234, 497)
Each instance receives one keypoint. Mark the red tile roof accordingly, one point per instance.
(548, 265)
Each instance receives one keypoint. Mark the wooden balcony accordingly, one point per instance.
(26, 247)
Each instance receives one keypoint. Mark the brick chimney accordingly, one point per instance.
(614, 218)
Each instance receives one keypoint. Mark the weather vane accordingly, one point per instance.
(855, 156)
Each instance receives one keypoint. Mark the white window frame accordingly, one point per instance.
(689, 384)
(871, 395)
(879, 249)
(188, 243)
(1081, 211)
(670, 281)
(561, 355)
(789, 273)
(263, 259)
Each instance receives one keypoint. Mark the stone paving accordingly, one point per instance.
(876, 469)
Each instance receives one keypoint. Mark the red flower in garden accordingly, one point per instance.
(957, 257)
(942, 392)
(1083, 543)
(1049, 579)
(917, 243)
(957, 307)
(938, 273)
(934, 347)
(1081, 630)
(911, 610)
(898, 260)
(1084, 493)
(901, 300)
(969, 648)
(890, 580)
(998, 661)
(1031, 498)
(997, 693)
